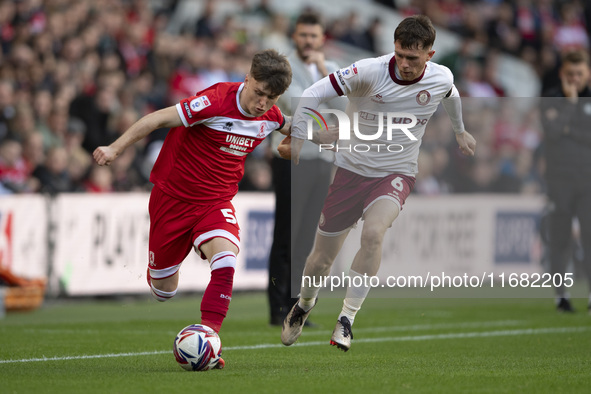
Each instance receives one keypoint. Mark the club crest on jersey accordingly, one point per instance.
(228, 126)
(197, 104)
(377, 99)
(423, 97)
(261, 133)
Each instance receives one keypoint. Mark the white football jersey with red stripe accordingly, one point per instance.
(203, 160)
(373, 88)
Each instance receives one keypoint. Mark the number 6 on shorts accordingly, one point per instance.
(397, 184)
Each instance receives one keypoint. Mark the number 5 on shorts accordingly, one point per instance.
(229, 215)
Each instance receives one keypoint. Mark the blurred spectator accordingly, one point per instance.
(446, 13)
(96, 61)
(58, 127)
(371, 34)
(23, 123)
(79, 160)
(53, 175)
(205, 26)
(42, 104)
(100, 180)
(14, 175)
(94, 111)
(528, 23)
(257, 177)
(350, 32)
(427, 182)
(502, 32)
(7, 109)
(33, 151)
(134, 48)
(127, 174)
(566, 115)
(570, 33)
(473, 83)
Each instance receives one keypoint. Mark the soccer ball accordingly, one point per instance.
(197, 348)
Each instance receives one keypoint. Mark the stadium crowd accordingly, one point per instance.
(75, 74)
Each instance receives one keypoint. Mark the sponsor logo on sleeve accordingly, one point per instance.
(188, 110)
(350, 71)
(197, 104)
(340, 75)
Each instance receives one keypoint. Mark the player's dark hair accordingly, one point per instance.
(415, 32)
(309, 18)
(576, 57)
(273, 69)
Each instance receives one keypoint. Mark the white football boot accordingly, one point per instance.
(293, 324)
(342, 334)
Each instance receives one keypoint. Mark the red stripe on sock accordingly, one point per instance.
(221, 257)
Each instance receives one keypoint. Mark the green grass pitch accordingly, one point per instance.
(406, 345)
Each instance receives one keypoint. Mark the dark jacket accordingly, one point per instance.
(567, 134)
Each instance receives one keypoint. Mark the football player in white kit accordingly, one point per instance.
(398, 93)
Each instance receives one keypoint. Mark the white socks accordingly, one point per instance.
(308, 298)
(308, 294)
(354, 297)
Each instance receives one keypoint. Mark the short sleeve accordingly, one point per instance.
(348, 79)
(196, 108)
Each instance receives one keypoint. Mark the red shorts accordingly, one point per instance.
(177, 226)
(350, 195)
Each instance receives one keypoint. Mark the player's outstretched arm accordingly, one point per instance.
(288, 144)
(167, 117)
(289, 148)
(467, 143)
(286, 129)
(284, 148)
(312, 97)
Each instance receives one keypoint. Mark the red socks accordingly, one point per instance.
(217, 297)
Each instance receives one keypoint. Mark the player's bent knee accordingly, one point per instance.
(165, 288)
(371, 238)
(320, 261)
(161, 295)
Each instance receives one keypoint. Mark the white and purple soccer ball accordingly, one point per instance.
(197, 348)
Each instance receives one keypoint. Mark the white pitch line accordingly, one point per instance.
(412, 327)
(84, 357)
(460, 335)
(438, 326)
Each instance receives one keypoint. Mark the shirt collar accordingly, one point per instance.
(392, 70)
(242, 111)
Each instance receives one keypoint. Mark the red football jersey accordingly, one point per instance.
(203, 160)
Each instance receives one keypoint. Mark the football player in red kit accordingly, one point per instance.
(197, 174)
